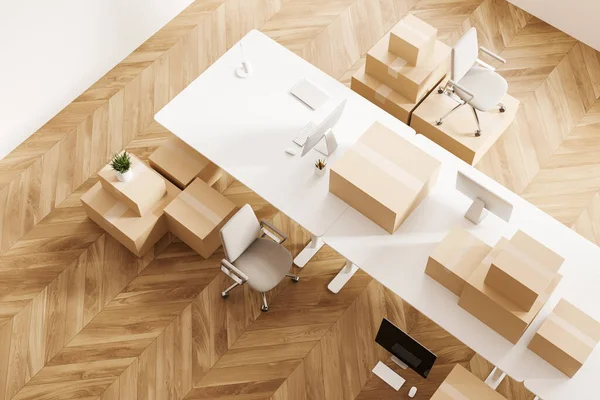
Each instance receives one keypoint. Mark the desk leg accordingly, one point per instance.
(537, 398)
(309, 251)
(342, 277)
(494, 378)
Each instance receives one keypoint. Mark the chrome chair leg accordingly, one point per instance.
(295, 278)
(441, 120)
(265, 306)
(225, 293)
(501, 107)
(478, 131)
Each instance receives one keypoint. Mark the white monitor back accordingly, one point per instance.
(475, 191)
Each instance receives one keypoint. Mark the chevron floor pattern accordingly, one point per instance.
(81, 318)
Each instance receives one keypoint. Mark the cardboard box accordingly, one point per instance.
(455, 258)
(566, 338)
(180, 163)
(141, 193)
(544, 256)
(518, 276)
(383, 176)
(492, 307)
(412, 39)
(138, 234)
(457, 133)
(461, 384)
(197, 215)
(412, 82)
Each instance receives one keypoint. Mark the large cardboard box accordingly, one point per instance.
(495, 309)
(412, 39)
(461, 384)
(197, 215)
(383, 176)
(141, 193)
(412, 82)
(455, 258)
(138, 234)
(180, 163)
(566, 338)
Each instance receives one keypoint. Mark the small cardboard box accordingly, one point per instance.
(518, 276)
(196, 216)
(455, 258)
(412, 82)
(492, 307)
(180, 163)
(141, 193)
(544, 256)
(566, 338)
(383, 176)
(138, 234)
(412, 39)
(462, 384)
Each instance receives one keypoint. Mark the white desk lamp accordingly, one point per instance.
(245, 70)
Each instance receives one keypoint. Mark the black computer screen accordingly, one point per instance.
(400, 344)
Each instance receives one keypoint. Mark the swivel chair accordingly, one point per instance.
(254, 254)
(473, 81)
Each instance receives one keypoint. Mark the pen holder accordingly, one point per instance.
(320, 167)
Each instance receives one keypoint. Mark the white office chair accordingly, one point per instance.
(251, 257)
(473, 81)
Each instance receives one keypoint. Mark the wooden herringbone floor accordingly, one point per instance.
(81, 318)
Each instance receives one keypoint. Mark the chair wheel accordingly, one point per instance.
(438, 122)
(224, 295)
(295, 279)
(477, 133)
(502, 109)
(440, 90)
(264, 308)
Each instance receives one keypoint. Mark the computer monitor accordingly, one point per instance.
(324, 128)
(482, 199)
(406, 351)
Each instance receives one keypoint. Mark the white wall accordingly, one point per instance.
(578, 18)
(53, 50)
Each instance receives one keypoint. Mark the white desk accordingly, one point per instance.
(398, 261)
(245, 125)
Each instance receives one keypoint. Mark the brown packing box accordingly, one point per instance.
(383, 176)
(141, 193)
(493, 308)
(180, 163)
(136, 233)
(566, 338)
(412, 39)
(461, 384)
(197, 215)
(455, 258)
(537, 251)
(412, 82)
(518, 276)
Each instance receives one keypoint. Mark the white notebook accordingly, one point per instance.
(309, 93)
(388, 375)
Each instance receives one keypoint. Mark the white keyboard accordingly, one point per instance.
(305, 133)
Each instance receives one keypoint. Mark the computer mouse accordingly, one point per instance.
(412, 392)
(291, 151)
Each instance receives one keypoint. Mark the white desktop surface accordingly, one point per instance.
(398, 261)
(245, 125)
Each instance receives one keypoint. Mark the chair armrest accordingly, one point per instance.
(485, 65)
(282, 236)
(492, 54)
(463, 89)
(230, 270)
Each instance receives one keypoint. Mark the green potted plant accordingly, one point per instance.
(320, 167)
(121, 164)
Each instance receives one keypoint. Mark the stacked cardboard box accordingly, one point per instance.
(403, 67)
(505, 286)
(461, 384)
(383, 176)
(133, 211)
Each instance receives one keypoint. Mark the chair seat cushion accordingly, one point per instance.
(488, 86)
(265, 262)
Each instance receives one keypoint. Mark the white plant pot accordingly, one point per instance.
(124, 177)
(320, 172)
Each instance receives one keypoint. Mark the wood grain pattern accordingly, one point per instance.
(82, 318)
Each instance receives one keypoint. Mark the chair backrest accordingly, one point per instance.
(464, 54)
(239, 233)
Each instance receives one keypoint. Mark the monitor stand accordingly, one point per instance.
(476, 212)
(399, 362)
(328, 144)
